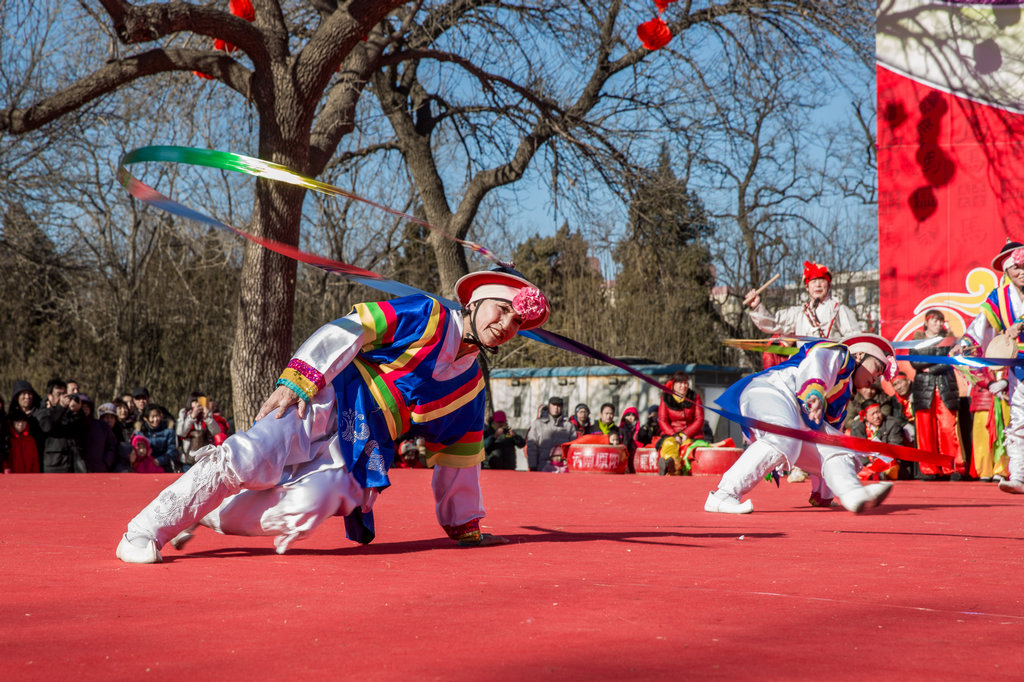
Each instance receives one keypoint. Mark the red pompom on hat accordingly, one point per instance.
(815, 271)
(527, 300)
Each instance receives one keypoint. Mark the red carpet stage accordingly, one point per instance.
(606, 577)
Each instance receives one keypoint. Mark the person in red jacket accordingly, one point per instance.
(22, 454)
(681, 419)
(681, 411)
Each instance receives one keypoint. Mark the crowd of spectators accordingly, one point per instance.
(63, 431)
(674, 427)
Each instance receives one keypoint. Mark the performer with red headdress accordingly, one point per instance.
(1002, 314)
(809, 392)
(821, 316)
(405, 366)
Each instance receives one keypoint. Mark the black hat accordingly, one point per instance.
(555, 400)
(583, 405)
(140, 392)
(999, 262)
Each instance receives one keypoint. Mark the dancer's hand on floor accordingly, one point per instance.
(281, 399)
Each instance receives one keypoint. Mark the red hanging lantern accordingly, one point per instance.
(242, 9)
(654, 34)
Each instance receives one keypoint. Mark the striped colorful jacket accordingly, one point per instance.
(1002, 308)
(821, 369)
(405, 352)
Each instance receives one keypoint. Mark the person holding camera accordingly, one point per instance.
(196, 428)
(500, 443)
(63, 426)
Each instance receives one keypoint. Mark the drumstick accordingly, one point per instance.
(751, 296)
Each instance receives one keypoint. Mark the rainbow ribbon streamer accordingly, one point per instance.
(272, 171)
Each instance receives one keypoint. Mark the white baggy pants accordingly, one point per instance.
(769, 403)
(284, 477)
(1014, 432)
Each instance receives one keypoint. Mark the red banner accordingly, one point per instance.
(950, 154)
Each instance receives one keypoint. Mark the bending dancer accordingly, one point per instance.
(1002, 313)
(809, 392)
(386, 369)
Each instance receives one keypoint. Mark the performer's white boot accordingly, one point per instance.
(840, 473)
(752, 466)
(724, 503)
(180, 506)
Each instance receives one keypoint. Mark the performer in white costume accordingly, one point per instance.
(406, 366)
(808, 392)
(820, 317)
(1002, 313)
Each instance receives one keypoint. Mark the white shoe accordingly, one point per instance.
(1009, 485)
(729, 505)
(866, 497)
(182, 538)
(133, 554)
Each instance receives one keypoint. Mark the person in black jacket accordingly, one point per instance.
(936, 404)
(500, 443)
(63, 425)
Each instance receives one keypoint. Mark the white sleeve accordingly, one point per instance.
(782, 322)
(819, 370)
(847, 323)
(323, 356)
(980, 332)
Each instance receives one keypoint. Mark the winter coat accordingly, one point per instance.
(546, 433)
(681, 416)
(164, 443)
(501, 450)
(889, 431)
(931, 376)
(21, 453)
(64, 439)
(100, 447)
(20, 386)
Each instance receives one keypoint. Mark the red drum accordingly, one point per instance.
(645, 461)
(597, 459)
(713, 461)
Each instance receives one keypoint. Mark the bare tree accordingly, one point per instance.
(561, 79)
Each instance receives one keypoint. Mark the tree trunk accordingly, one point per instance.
(263, 326)
(451, 262)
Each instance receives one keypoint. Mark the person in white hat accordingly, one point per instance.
(1002, 313)
(406, 366)
(808, 393)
